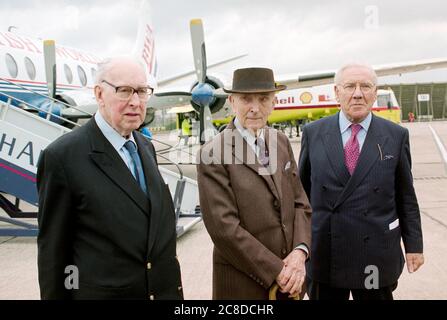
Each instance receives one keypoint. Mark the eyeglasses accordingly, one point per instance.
(126, 92)
(364, 87)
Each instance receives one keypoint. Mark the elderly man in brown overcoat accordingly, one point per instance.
(253, 204)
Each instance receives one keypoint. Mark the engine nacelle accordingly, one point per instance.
(218, 103)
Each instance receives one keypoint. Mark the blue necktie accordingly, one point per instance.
(138, 168)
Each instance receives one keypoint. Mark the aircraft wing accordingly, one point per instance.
(165, 82)
(327, 77)
(171, 99)
(85, 108)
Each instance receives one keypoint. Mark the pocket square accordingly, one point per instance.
(287, 166)
(388, 157)
(394, 224)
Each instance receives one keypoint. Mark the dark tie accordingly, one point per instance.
(136, 161)
(263, 153)
(352, 149)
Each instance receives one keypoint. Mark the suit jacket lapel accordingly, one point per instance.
(154, 182)
(334, 150)
(368, 157)
(248, 154)
(109, 161)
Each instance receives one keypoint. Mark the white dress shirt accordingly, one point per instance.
(116, 140)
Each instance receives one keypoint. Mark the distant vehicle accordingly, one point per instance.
(309, 104)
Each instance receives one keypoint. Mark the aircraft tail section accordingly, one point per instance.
(145, 45)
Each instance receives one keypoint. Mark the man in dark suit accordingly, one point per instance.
(104, 209)
(356, 170)
(252, 201)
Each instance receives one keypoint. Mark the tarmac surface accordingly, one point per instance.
(18, 256)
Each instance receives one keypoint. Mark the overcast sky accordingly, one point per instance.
(288, 36)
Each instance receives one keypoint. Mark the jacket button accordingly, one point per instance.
(179, 288)
(376, 189)
(149, 266)
(324, 188)
(366, 238)
(276, 204)
(283, 251)
(283, 226)
(151, 297)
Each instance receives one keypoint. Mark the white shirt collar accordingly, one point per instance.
(111, 134)
(345, 123)
(246, 134)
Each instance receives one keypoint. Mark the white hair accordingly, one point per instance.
(339, 74)
(107, 64)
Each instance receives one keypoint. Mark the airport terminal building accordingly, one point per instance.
(427, 101)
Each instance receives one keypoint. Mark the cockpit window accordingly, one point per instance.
(30, 68)
(11, 64)
(82, 76)
(68, 73)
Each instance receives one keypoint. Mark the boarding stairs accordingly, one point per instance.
(23, 135)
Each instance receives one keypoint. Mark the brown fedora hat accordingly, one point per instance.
(254, 80)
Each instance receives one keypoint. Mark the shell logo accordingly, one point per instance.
(306, 97)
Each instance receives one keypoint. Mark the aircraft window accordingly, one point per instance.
(11, 64)
(93, 74)
(68, 73)
(82, 76)
(30, 68)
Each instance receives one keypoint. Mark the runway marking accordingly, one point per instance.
(440, 145)
(434, 219)
(9, 239)
(430, 178)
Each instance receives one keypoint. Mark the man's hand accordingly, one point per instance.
(414, 261)
(292, 276)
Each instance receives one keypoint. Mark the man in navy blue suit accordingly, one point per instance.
(356, 170)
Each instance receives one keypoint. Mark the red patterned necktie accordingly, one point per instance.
(352, 149)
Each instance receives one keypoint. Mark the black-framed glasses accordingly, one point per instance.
(126, 92)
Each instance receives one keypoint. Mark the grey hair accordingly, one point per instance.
(340, 71)
(105, 66)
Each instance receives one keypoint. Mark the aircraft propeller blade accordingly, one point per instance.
(198, 49)
(49, 51)
(206, 128)
(209, 131)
